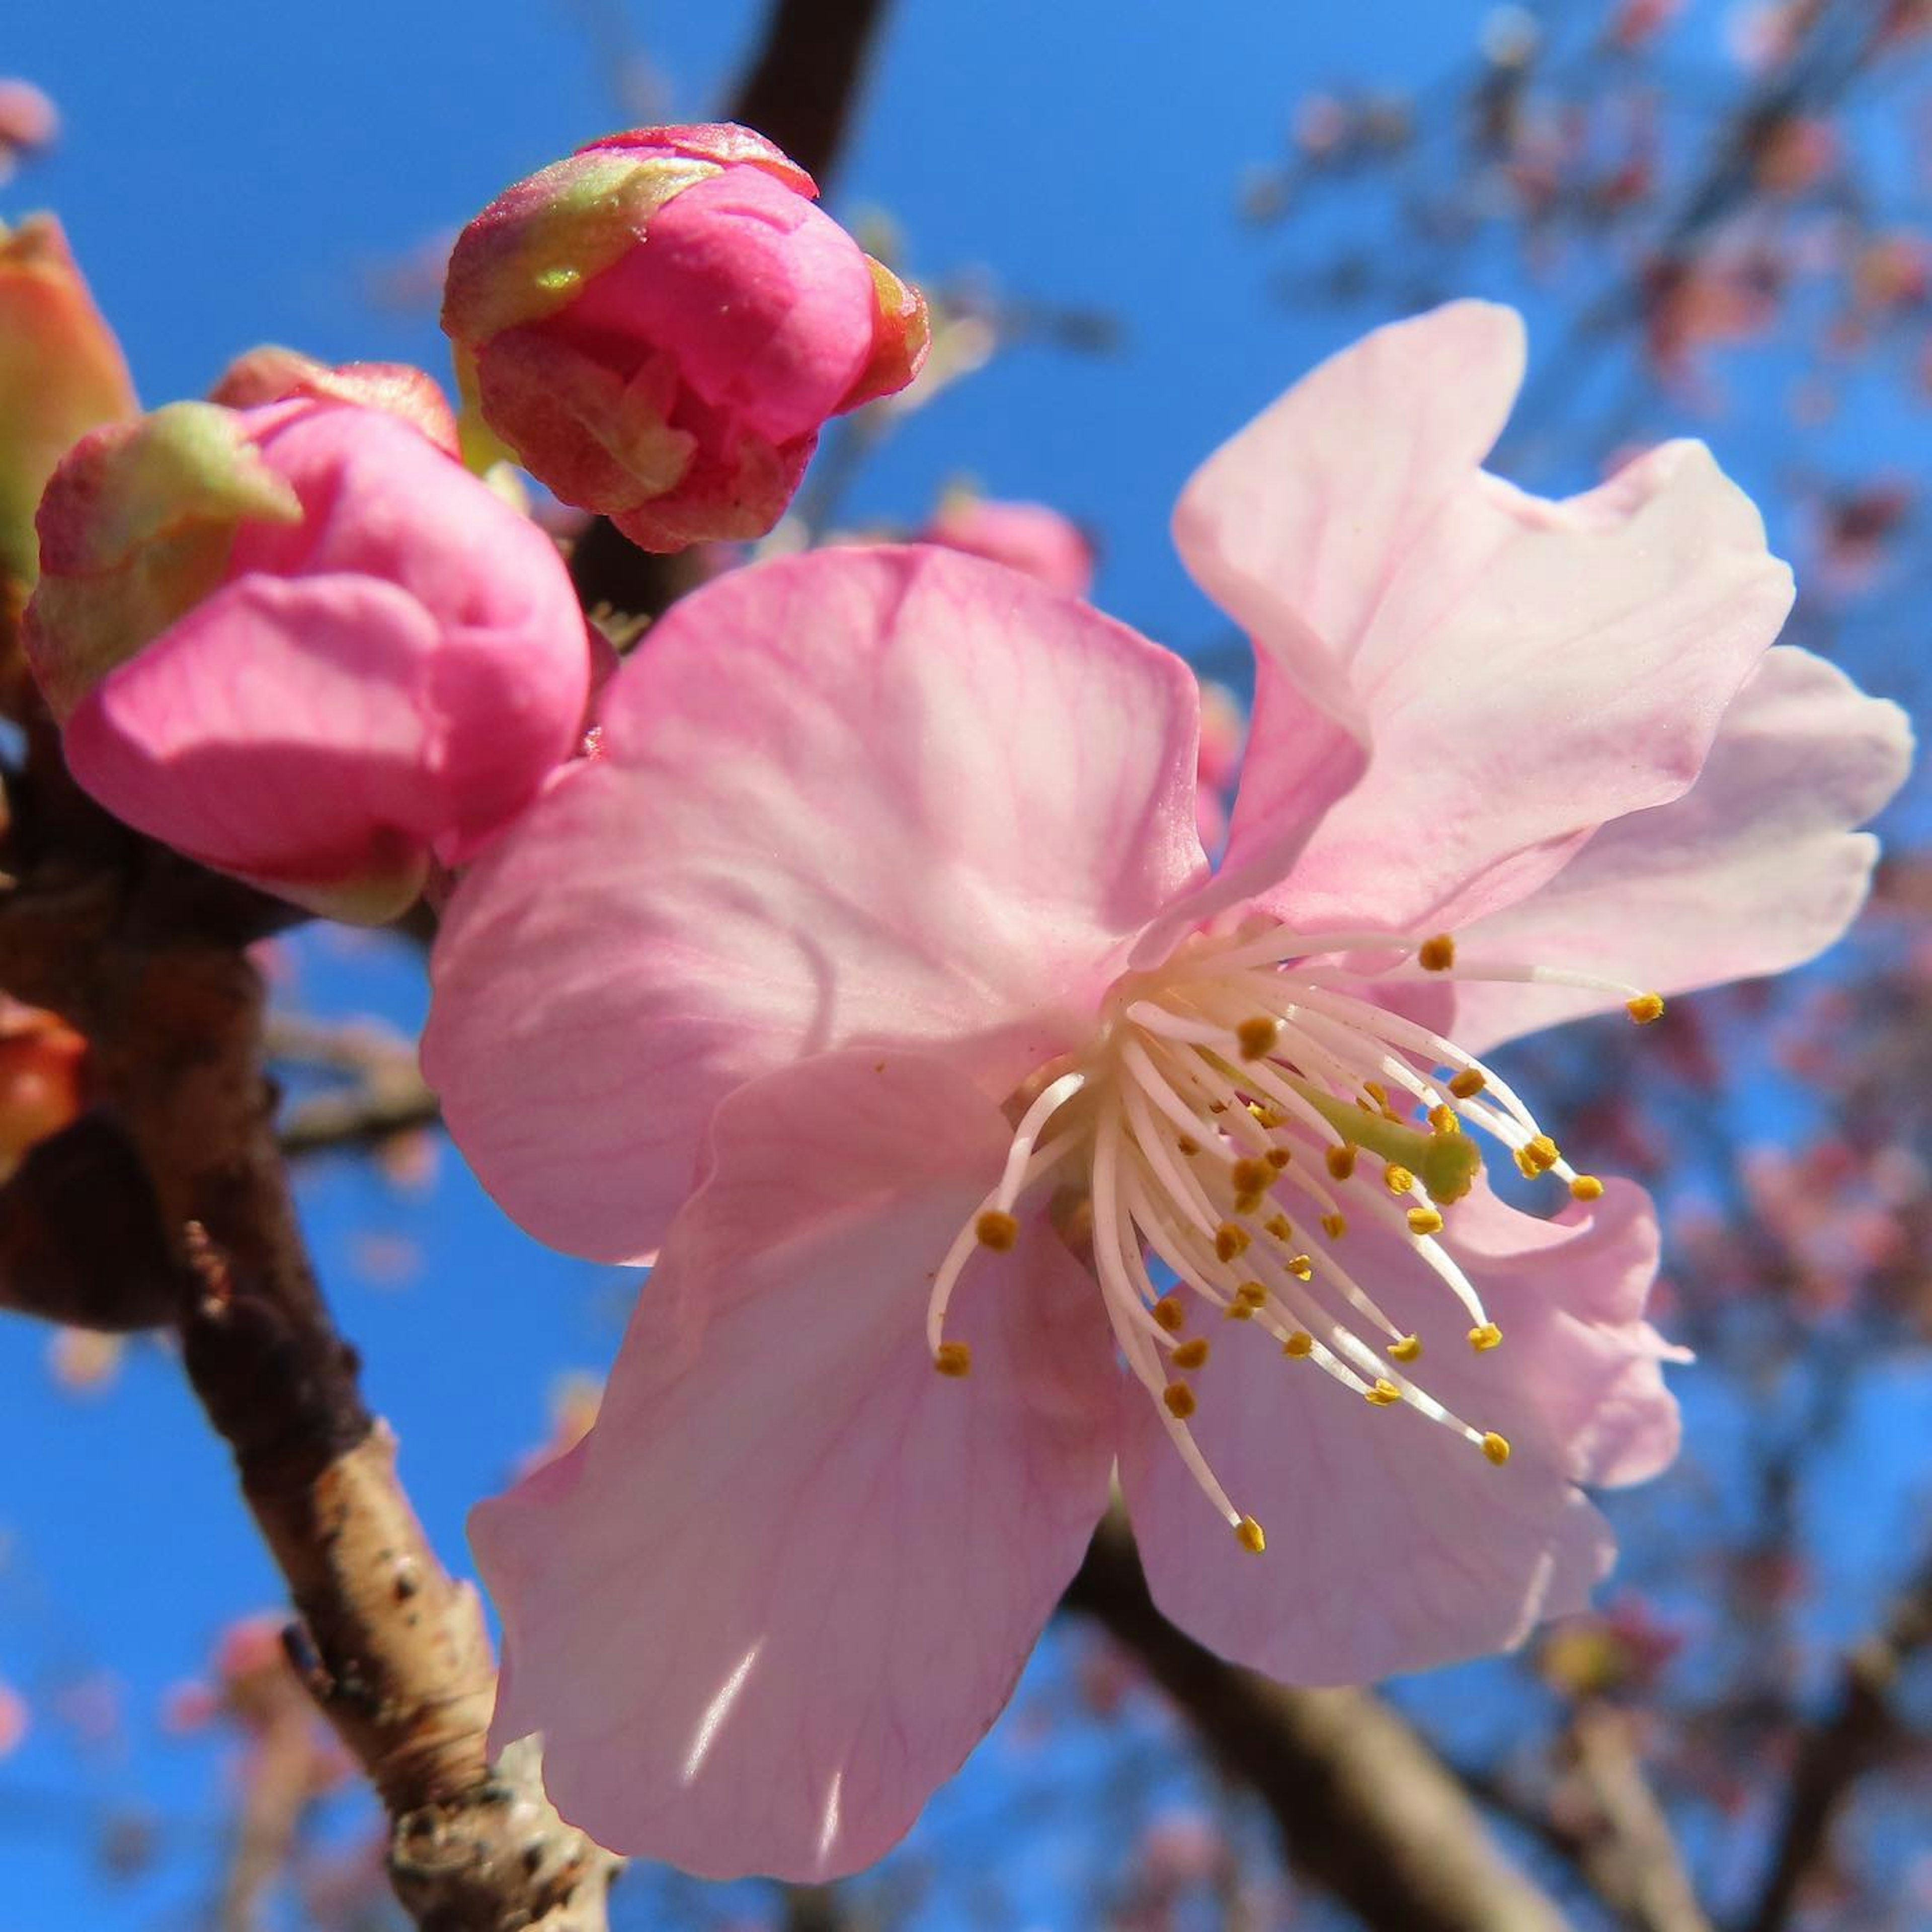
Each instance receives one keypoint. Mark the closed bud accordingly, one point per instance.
(61, 373)
(273, 374)
(300, 643)
(677, 388)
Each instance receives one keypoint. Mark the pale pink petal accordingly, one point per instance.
(1294, 527)
(1393, 1544)
(891, 796)
(1754, 870)
(301, 762)
(1520, 671)
(789, 1579)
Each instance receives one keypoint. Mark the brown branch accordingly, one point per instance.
(1618, 1836)
(803, 85)
(1838, 1751)
(1364, 1807)
(147, 958)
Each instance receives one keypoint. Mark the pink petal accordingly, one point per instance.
(1394, 1544)
(275, 730)
(1754, 870)
(1521, 671)
(790, 1577)
(1292, 527)
(863, 796)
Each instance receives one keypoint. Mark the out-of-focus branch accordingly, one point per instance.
(1839, 1751)
(1365, 1808)
(802, 88)
(1615, 1831)
(386, 1094)
(81, 1240)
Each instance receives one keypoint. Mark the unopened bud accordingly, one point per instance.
(677, 388)
(300, 643)
(61, 374)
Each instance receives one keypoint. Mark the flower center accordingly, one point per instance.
(1238, 1109)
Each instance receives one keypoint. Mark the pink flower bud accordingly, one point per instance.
(273, 374)
(61, 372)
(302, 644)
(677, 388)
(1031, 537)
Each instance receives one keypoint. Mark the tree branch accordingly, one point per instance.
(146, 956)
(804, 84)
(1838, 1752)
(1364, 1808)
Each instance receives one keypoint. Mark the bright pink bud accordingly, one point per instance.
(302, 644)
(1031, 537)
(677, 388)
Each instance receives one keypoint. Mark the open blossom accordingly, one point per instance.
(299, 642)
(659, 325)
(875, 974)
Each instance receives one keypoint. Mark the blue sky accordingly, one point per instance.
(232, 174)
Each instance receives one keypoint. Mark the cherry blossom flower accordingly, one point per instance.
(874, 971)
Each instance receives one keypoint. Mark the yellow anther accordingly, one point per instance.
(1192, 1354)
(1341, 1161)
(1248, 1534)
(1485, 1336)
(1278, 1158)
(1230, 1240)
(1586, 1187)
(1184, 1145)
(997, 1231)
(1297, 1343)
(1169, 1313)
(1376, 1092)
(1538, 1156)
(1257, 1036)
(953, 1358)
(1249, 1204)
(1251, 1176)
(1301, 1268)
(1280, 1227)
(1468, 1084)
(1437, 955)
(1238, 1311)
(1407, 1349)
(1251, 1295)
(1383, 1394)
(1496, 1447)
(1424, 1221)
(1269, 1117)
(1397, 1179)
(1443, 1120)
(1644, 1008)
(1179, 1400)
(1334, 1226)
